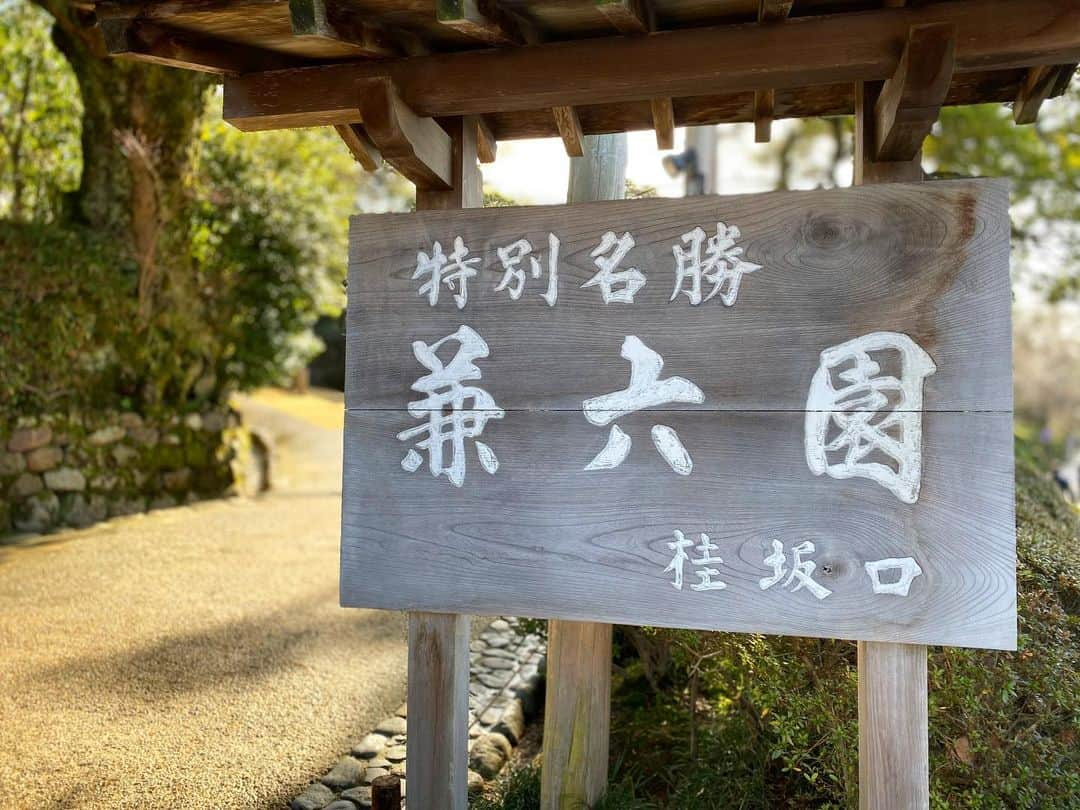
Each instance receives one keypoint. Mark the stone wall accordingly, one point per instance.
(74, 469)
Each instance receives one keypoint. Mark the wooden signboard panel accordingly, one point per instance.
(797, 419)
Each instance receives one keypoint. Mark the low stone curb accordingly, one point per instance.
(505, 690)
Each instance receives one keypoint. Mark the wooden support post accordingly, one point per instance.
(566, 119)
(1040, 83)
(663, 116)
(417, 147)
(438, 700)
(486, 145)
(356, 139)
(769, 11)
(577, 708)
(386, 792)
(894, 748)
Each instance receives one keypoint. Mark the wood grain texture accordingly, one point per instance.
(417, 147)
(577, 715)
(566, 120)
(929, 261)
(894, 752)
(629, 16)
(827, 49)
(1040, 83)
(663, 117)
(438, 701)
(360, 146)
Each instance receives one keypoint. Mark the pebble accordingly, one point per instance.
(29, 439)
(371, 774)
(391, 726)
(12, 463)
(499, 663)
(316, 797)
(26, 484)
(499, 626)
(106, 435)
(345, 774)
(360, 796)
(492, 680)
(368, 747)
(395, 753)
(43, 458)
(475, 782)
(494, 640)
(66, 479)
(489, 753)
(340, 804)
(512, 723)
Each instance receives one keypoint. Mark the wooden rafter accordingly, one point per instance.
(485, 21)
(773, 10)
(833, 49)
(310, 19)
(417, 147)
(152, 42)
(360, 145)
(629, 16)
(911, 99)
(566, 119)
(663, 117)
(1040, 84)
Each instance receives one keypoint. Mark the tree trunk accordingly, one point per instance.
(138, 128)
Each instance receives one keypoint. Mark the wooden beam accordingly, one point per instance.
(485, 21)
(629, 16)
(310, 20)
(361, 146)
(157, 44)
(438, 709)
(486, 145)
(566, 119)
(663, 117)
(1040, 84)
(911, 99)
(764, 102)
(829, 49)
(867, 168)
(417, 147)
(167, 10)
(465, 181)
(773, 10)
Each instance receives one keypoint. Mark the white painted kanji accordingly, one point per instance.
(679, 546)
(646, 390)
(722, 266)
(801, 573)
(616, 286)
(454, 412)
(438, 269)
(702, 565)
(862, 423)
(906, 566)
(512, 257)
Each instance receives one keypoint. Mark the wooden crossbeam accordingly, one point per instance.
(911, 99)
(829, 49)
(486, 145)
(1040, 84)
(417, 147)
(663, 116)
(310, 20)
(162, 11)
(629, 16)
(566, 119)
(485, 21)
(361, 146)
(158, 44)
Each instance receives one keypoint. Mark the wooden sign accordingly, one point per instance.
(782, 413)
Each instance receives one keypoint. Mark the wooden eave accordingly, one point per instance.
(710, 61)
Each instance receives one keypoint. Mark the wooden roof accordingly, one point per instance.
(536, 68)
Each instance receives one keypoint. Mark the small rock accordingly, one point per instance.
(37, 513)
(123, 454)
(345, 774)
(12, 463)
(499, 625)
(340, 804)
(475, 731)
(66, 479)
(316, 797)
(495, 640)
(395, 753)
(489, 753)
(391, 726)
(131, 420)
(104, 482)
(25, 485)
(177, 480)
(360, 796)
(494, 681)
(43, 458)
(402, 710)
(398, 768)
(106, 435)
(368, 747)
(29, 439)
(127, 506)
(477, 646)
(75, 510)
(498, 663)
(475, 782)
(371, 774)
(145, 436)
(495, 652)
(512, 723)
(491, 715)
(378, 762)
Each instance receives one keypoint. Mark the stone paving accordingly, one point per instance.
(505, 690)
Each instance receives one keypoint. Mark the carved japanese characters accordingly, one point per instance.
(862, 422)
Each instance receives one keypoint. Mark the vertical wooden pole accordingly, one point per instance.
(438, 688)
(577, 709)
(894, 749)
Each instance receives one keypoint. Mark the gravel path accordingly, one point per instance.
(194, 657)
